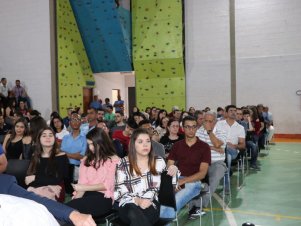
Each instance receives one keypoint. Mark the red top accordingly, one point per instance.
(124, 140)
(189, 159)
(257, 126)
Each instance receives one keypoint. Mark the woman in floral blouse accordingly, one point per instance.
(138, 182)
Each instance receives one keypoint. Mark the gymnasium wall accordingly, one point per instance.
(268, 56)
(25, 49)
(158, 53)
(74, 71)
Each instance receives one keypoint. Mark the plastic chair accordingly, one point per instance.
(226, 175)
(241, 168)
(18, 168)
(210, 202)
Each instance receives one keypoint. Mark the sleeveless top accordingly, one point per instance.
(14, 149)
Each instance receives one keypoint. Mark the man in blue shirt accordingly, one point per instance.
(74, 145)
(119, 104)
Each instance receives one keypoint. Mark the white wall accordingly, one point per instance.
(25, 48)
(207, 53)
(268, 51)
(105, 82)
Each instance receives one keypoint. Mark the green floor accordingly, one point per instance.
(270, 197)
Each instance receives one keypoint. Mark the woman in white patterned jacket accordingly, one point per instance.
(138, 182)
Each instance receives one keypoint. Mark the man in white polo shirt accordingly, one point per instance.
(235, 135)
(215, 137)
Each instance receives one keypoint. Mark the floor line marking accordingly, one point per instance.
(258, 214)
(228, 211)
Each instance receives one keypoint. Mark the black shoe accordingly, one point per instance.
(255, 167)
(195, 212)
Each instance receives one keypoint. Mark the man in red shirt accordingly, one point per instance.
(124, 136)
(193, 157)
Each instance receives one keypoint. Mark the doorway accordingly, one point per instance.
(131, 98)
(87, 98)
(115, 94)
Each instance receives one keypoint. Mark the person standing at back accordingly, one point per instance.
(119, 104)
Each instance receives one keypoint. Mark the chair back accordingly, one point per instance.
(166, 193)
(18, 168)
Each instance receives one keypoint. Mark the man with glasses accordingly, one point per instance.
(192, 156)
(74, 145)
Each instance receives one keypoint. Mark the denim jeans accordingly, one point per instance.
(231, 154)
(183, 196)
(254, 152)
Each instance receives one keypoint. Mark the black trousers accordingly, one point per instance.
(93, 203)
(69, 180)
(135, 216)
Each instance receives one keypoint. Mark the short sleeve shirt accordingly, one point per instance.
(188, 159)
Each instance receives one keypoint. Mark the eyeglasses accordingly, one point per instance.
(75, 120)
(190, 127)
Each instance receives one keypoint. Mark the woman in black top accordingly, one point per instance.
(16, 144)
(48, 166)
(172, 135)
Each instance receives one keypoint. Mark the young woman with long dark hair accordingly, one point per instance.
(94, 193)
(138, 181)
(16, 144)
(48, 167)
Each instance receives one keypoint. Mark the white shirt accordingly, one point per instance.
(4, 90)
(15, 211)
(234, 132)
(61, 134)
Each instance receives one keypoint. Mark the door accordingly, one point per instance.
(87, 98)
(131, 98)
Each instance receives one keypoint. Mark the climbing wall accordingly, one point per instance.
(74, 70)
(158, 53)
(105, 30)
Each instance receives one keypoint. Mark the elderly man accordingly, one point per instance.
(215, 137)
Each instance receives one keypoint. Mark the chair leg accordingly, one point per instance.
(201, 207)
(238, 165)
(210, 200)
(224, 189)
